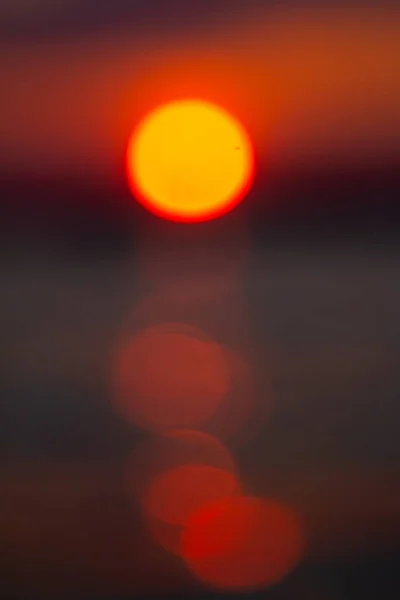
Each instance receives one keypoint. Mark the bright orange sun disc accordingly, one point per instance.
(190, 161)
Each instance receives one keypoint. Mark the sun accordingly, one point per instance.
(190, 160)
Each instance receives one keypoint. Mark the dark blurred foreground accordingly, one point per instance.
(322, 297)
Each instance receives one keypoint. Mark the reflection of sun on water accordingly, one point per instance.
(175, 495)
(170, 376)
(240, 543)
(190, 161)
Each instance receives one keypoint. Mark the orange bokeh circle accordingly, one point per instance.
(190, 160)
(175, 495)
(156, 454)
(170, 376)
(242, 543)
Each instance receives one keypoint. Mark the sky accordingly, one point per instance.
(317, 84)
(72, 17)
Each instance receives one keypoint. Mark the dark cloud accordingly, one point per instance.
(36, 18)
